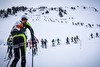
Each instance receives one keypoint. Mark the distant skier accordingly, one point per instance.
(9, 43)
(75, 40)
(42, 43)
(58, 41)
(30, 42)
(45, 43)
(67, 40)
(19, 40)
(53, 43)
(71, 39)
(35, 45)
(97, 34)
(91, 35)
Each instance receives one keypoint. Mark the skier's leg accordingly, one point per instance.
(23, 56)
(17, 57)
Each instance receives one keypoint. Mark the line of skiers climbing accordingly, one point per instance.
(17, 41)
(73, 39)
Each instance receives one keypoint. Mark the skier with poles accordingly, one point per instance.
(9, 43)
(9, 50)
(42, 43)
(67, 40)
(71, 39)
(19, 40)
(35, 45)
(45, 43)
(91, 35)
(58, 41)
(97, 34)
(53, 43)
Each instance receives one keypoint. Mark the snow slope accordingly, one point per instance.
(62, 55)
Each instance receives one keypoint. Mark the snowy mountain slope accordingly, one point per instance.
(47, 26)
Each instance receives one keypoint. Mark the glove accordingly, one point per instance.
(10, 55)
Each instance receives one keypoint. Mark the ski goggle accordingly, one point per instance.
(24, 19)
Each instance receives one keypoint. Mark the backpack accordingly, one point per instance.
(18, 28)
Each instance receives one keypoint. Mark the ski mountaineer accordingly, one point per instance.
(58, 41)
(42, 43)
(30, 43)
(67, 40)
(91, 35)
(9, 43)
(53, 43)
(45, 43)
(72, 39)
(19, 40)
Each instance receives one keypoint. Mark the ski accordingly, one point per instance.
(8, 62)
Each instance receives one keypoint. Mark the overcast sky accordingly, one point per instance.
(36, 3)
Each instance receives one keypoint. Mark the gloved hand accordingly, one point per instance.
(10, 55)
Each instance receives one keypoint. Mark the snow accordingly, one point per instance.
(73, 55)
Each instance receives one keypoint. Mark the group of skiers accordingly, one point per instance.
(53, 42)
(73, 39)
(17, 41)
(92, 36)
(44, 43)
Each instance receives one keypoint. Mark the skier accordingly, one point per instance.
(77, 38)
(45, 43)
(37, 41)
(42, 43)
(58, 41)
(9, 43)
(30, 42)
(75, 41)
(72, 39)
(19, 40)
(67, 40)
(97, 34)
(53, 43)
(91, 35)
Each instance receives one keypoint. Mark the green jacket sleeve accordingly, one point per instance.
(7, 41)
(31, 31)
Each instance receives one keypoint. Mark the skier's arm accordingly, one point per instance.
(7, 41)
(31, 31)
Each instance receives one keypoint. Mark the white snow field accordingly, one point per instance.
(86, 53)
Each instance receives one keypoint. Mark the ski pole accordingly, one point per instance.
(32, 56)
(8, 62)
(80, 43)
(6, 53)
